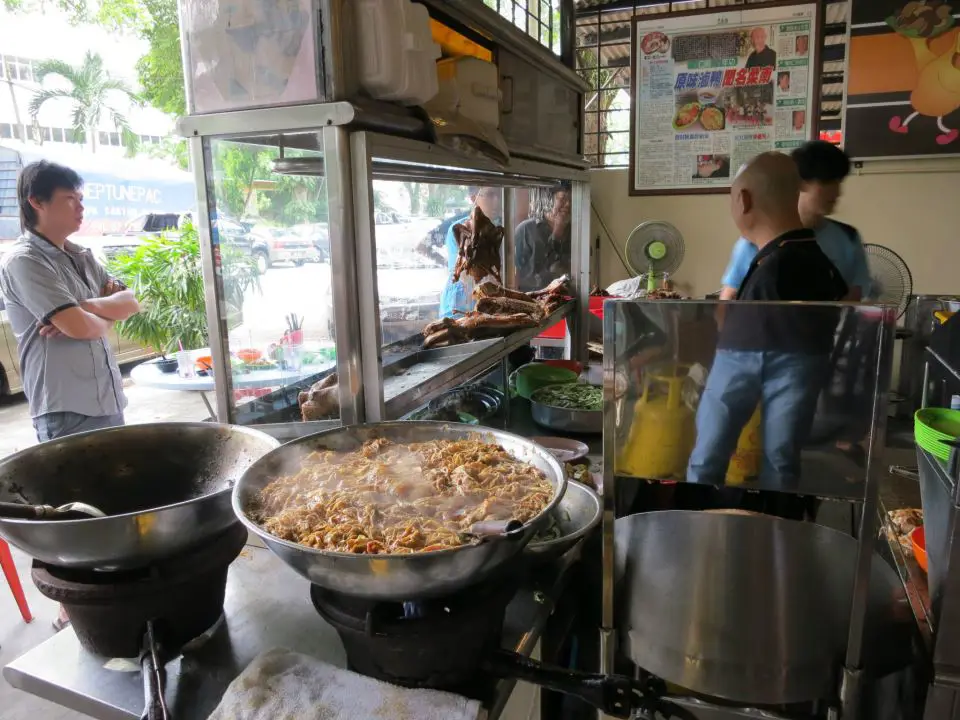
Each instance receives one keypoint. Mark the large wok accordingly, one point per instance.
(395, 577)
(752, 609)
(163, 486)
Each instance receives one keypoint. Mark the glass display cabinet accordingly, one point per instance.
(346, 205)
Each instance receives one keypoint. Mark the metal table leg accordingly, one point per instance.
(213, 413)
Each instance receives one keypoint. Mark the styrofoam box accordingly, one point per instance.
(472, 85)
(396, 53)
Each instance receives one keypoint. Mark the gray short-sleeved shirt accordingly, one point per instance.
(60, 374)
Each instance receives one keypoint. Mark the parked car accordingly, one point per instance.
(293, 245)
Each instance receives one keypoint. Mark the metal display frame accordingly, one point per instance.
(850, 677)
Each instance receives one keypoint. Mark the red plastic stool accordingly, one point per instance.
(10, 570)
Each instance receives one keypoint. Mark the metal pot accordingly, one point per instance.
(566, 419)
(577, 514)
(395, 577)
(163, 486)
(752, 609)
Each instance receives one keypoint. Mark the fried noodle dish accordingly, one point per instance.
(390, 498)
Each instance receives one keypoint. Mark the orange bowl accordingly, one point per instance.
(204, 362)
(919, 542)
(249, 355)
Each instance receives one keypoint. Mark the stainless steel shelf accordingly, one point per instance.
(474, 360)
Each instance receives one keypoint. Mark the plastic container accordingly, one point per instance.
(471, 86)
(919, 541)
(931, 425)
(396, 54)
(529, 378)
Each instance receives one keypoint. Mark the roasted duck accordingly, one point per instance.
(473, 326)
(478, 247)
(321, 401)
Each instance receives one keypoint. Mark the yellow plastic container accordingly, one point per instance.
(662, 434)
(745, 463)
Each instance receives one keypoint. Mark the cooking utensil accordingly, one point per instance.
(587, 422)
(563, 449)
(70, 511)
(577, 514)
(752, 609)
(163, 486)
(394, 577)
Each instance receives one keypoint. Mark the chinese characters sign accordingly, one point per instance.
(711, 90)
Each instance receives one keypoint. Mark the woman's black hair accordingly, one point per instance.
(819, 161)
(40, 180)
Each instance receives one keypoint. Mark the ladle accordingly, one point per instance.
(70, 511)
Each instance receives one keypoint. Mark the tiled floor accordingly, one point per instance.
(16, 637)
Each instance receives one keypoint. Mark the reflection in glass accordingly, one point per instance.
(542, 241)
(280, 340)
(771, 396)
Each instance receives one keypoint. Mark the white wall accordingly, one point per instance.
(912, 207)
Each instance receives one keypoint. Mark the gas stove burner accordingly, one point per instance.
(431, 643)
(182, 595)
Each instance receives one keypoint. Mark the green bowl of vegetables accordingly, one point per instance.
(569, 407)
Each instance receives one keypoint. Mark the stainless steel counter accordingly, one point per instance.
(267, 605)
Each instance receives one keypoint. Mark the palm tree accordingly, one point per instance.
(91, 91)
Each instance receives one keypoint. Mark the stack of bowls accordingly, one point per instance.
(931, 426)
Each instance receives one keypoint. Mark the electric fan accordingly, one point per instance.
(890, 280)
(654, 247)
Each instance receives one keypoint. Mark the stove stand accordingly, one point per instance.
(182, 595)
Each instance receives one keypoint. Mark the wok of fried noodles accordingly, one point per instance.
(394, 498)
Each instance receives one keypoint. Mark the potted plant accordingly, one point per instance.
(166, 275)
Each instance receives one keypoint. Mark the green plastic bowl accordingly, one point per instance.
(533, 376)
(931, 425)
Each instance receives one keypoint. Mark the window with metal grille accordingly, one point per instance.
(603, 60)
(540, 19)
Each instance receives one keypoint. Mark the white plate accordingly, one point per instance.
(563, 449)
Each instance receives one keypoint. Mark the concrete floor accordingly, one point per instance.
(17, 637)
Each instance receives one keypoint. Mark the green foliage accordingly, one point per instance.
(160, 71)
(165, 274)
(90, 91)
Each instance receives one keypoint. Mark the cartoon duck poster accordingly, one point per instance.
(903, 79)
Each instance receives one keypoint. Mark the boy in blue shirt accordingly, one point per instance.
(823, 168)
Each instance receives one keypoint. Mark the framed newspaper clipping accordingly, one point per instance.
(712, 88)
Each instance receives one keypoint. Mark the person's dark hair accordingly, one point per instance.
(819, 161)
(563, 186)
(40, 180)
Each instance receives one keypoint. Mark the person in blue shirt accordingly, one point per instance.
(456, 297)
(823, 168)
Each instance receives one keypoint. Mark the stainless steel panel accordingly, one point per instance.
(343, 258)
(368, 295)
(405, 151)
(238, 124)
(752, 609)
(539, 112)
(202, 162)
(577, 333)
(919, 320)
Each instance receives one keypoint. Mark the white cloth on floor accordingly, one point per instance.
(283, 684)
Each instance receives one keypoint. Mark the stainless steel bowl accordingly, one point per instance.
(163, 486)
(587, 422)
(395, 577)
(577, 514)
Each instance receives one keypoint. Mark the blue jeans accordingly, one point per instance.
(786, 385)
(60, 424)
